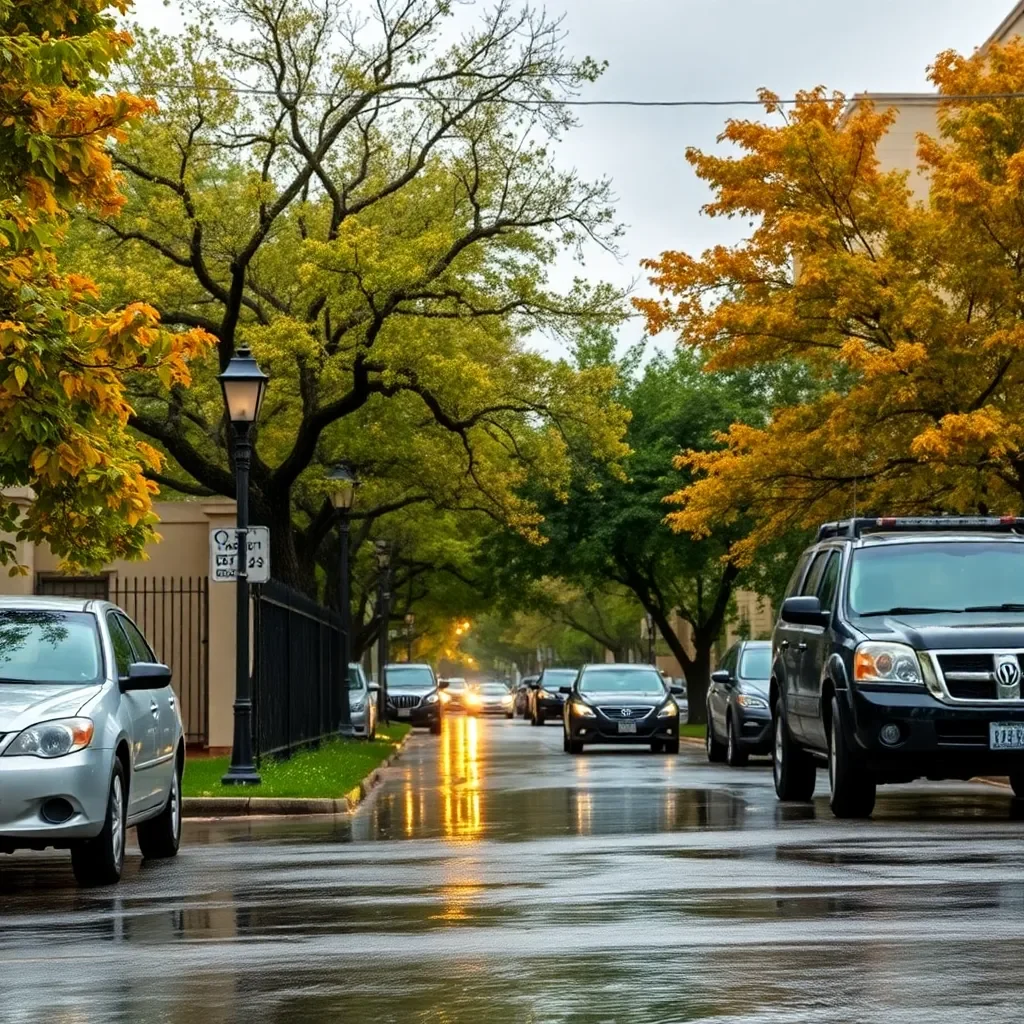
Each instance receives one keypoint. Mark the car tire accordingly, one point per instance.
(735, 755)
(99, 861)
(435, 728)
(574, 746)
(715, 750)
(1017, 784)
(538, 718)
(160, 837)
(657, 747)
(851, 788)
(793, 768)
(672, 746)
(509, 716)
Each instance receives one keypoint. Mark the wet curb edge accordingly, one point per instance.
(246, 806)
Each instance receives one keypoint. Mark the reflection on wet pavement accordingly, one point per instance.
(494, 878)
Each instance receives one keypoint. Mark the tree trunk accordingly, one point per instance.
(698, 679)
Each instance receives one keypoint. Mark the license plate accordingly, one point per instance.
(404, 713)
(627, 726)
(1006, 735)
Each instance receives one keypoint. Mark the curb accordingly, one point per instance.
(252, 806)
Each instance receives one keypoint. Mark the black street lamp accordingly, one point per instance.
(382, 550)
(410, 625)
(343, 496)
(244, 384)
(650, 640)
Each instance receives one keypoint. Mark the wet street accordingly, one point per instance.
(493, 879)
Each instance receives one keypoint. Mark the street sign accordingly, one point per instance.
(224, 554)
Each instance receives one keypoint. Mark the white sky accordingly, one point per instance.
(718, 49)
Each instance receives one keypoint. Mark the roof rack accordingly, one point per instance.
(854, 528)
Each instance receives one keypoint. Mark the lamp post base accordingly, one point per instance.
(241, 775)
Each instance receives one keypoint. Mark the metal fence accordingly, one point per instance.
(296, 695)
(173, 613)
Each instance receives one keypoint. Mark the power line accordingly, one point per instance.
(886, 99)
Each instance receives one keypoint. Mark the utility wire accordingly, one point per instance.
(415, 98)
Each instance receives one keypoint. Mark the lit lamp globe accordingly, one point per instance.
(244, 385)
(344, 483)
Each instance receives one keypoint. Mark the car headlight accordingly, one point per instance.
(445, 697)
(746, 700)
(431, 698)
(886, 663)
(670, 710)
(52, 739)
(581, 709)
(473, 698)
(355, 705)
(547, 695)
(507, 699)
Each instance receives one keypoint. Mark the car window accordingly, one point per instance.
(123, 654)
(622, 680)
(798, 573)
(409, 677)
(356, 681)
(810, 586)
(756, 663)
(729, 661)
(44, 646)
(141, 650)
(829, 585)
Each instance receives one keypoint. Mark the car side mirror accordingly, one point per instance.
(804, 611)
(677, 691)
(146, 675)
(443, 684)
(565, 689)
(374, 687)
(722, 675)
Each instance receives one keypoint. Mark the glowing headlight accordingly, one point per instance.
(581, 709)
(445, 696)
(886, 663)
(670, 710)
(473, 698)
(431, 698)
(52, 739)
(745, 700)
(507, 699)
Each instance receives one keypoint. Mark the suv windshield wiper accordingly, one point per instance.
(1009, 606)
(908, 610)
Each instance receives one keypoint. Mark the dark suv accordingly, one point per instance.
(898, 654)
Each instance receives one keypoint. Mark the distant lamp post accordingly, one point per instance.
(344, 482)
(244, 384)
(382, 551)
(650, 639)
(410, 626)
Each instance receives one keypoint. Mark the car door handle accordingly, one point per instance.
(154, 709)
(801, 646)
(171, 701)
(783, 643)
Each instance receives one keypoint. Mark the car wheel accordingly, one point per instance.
(1017, 784)
(160, 837)
(852, 789)
(735, 755)
(792, 766)
(574, 746)
(565, 742)
(656, 746)
(672, 746)
(509, 715)
(715, 750)
(538, 718)
(99, 861)
(435, 728)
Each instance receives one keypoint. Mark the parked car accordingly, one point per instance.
(521, 696)
(455, 694)
(490, 698)
(362, 703)
(414, 696)
(91, 740)
(898, 655)
(738, 716)
(546, 698)
(620, 704)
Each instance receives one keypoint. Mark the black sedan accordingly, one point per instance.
(739, 717)
(546, 698)
(620, 704)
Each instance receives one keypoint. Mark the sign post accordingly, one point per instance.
(224, 554)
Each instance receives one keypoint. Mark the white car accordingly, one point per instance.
(91, 741)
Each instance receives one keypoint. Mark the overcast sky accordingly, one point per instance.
(720, 49)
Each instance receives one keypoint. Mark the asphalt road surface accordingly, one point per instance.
(494, 879)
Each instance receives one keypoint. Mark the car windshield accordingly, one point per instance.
(414, 677)
(355, 678)
(49, 647)
(494, 688)
(457, 684)
(622, 680)
(557, 677)
(756, 663)
(953, 576)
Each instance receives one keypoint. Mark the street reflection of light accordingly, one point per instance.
(584, 810)
(670, 806)
(456, 900)
(410, 811)
(459, 772)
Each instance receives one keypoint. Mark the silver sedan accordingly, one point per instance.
(362, 703)
(91, 740)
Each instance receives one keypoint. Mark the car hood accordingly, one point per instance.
(970, 630)
(25, 704)
(754, 688)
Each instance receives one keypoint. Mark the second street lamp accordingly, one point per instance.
(410, 625)
(343, 495)
(244, 384)
(382, 550)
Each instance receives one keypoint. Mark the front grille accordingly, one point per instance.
(962, 734)
(971, 675)
(972, 689)
(965, 663)
(404, 700)
(626, 714)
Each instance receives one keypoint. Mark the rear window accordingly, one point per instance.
(952, 576)
(38, 646)
(558, 676)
